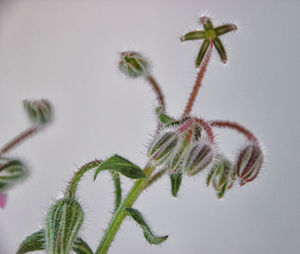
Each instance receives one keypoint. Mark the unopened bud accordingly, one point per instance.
(249, 163)
(39, 111)
(11, 170)
(64, 220)
(132, 64)
(200, 156)
(163, 147)
(221, 176)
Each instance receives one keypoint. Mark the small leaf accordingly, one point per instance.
(225, 29)
(139, 219)
(121, 165)
(81, 247)
(194, 35)
(34, 242)
(163, 118)
(176, 179)
(220, 48)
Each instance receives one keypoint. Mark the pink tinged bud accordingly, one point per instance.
(200, 156)
(249, 163)
(163, 147)
(3, 200)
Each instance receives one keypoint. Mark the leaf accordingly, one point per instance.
(163, 118)
(81, 247)
(121, 165)
(34, 242)
(176, 179)
(139, 219)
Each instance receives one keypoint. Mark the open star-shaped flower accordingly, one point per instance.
(210, 35)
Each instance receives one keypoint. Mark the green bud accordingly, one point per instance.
(11, 171)
(39, 111)
(63, 222)
(163, 147)
(132, 64)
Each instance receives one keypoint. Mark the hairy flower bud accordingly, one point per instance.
(64, 220)
(132, 64)
(39, 111)
(11, 170)
(163, 147)
(200, 156)
(221, 176)
(249, 163)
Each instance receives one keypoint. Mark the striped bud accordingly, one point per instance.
(63, 222)
(11, 171)
(177, 161)
(221, 176)
(163, 147)
(39, 111)
(200, 156)
(249, 163)
(132, 64)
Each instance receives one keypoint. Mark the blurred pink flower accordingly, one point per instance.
(3, 198)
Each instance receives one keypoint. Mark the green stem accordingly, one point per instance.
(72, 186)
(118, 190)
(121, 213)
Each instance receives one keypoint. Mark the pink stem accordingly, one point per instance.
(208, 130)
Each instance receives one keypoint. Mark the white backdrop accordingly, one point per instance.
(67, 51)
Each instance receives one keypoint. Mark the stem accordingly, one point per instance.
(236, 126)
(72, 186)
(197, 84)
(120, 214)
(208, 130)
(118, 190)
(157, 91)
(18, 139)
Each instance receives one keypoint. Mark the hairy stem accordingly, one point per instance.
(118, 190)
(155, 177)
(121, 213)
(18, 139)
(197, 84)
(236, 126)
(72, 186)
(157, 91)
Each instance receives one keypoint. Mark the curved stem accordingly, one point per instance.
(72, 186)
(208, 130)
(120, 213)
(157, 91)
(236, 126)
(18, 139)
(197, 84)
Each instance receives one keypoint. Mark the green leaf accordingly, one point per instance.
(202, 52)
(139, 219)
(163, 118)
(225, 29)
(121, 165)
(220, 48)
(194, 35)
(34, 242)
(4, 186)
(176, 179)
(81, 247)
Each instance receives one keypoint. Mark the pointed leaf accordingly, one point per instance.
(139, 219)
(176, 179)
(34, 242)
(202, 52)
(194, 35)
(225, 29)
(207, 24)
(162, 117)
(121, 165)
(81, 247)
(220, 48)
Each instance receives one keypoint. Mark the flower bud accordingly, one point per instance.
(221, 176)
(249, 163)
(39, 111)
(64, 220)
(132, 64)
(163, 147)
(176, 162)
(200, 156)
(11, 170)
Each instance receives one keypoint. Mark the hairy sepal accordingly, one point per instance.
(33, 242)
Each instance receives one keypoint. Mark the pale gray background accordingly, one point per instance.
(67, 51)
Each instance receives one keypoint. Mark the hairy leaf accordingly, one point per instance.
(34, 242)
(81, 247)
(176, 179)
(139, 219)
(121, 165)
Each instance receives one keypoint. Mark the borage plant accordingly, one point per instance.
(181, 146)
